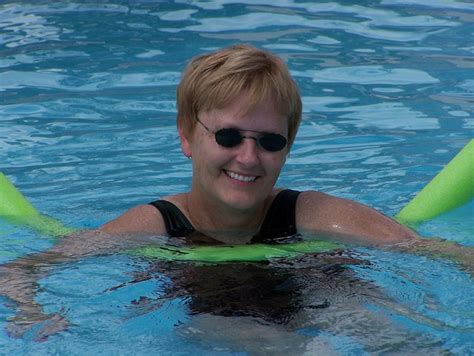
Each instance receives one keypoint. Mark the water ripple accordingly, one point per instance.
(395, 116)
(368, 75)
(260, 20)
(96, 81)
(439, 4)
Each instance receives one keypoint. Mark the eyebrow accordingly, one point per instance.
(238, 129)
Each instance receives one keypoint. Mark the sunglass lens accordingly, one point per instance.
(228, 137)
(232, 137)
(272, 142)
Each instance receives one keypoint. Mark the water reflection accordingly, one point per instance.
(317, 293)
(368, 75)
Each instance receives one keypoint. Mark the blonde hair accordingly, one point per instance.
(214, 80)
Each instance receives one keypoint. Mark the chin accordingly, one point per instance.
(242, 201)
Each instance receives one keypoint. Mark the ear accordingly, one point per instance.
(185, 143)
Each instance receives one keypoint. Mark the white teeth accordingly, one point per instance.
(241, 178)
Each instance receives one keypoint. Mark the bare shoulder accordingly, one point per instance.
(140, 219)
(347, 220)
(311, 201)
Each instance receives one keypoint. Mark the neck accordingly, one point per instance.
(224, 223)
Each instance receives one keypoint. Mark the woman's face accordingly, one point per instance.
(240, 177)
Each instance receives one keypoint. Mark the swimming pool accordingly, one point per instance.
(87, 130)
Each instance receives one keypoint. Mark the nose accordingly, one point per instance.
(247, 151)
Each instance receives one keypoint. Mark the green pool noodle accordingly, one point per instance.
(235, 253)
(452, 187)
(15, 208)
(12, 202)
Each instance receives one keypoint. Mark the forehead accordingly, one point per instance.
(255, 93)
(243, 114)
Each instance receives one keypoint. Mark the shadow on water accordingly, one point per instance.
(285, 305)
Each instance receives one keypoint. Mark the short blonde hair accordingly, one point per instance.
(214, 80)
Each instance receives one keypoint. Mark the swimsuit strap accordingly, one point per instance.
(177, 225)
(280, 220)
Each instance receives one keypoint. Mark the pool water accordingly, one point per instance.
(87, 130)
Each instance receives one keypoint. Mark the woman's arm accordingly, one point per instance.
(18, 281)
(353, 223)
(139, 226)
(439, 248)
(347, 221)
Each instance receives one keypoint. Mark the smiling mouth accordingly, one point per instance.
(240, 177)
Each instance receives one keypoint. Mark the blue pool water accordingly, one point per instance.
(87, 130)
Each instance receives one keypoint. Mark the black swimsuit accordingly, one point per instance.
(280, 220)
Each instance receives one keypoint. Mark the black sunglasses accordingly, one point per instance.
(230, 137)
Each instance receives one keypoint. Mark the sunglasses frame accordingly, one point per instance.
(257, 139)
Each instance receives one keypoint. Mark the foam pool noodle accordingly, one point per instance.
(15, 208)
(452, 187)
(233, 253)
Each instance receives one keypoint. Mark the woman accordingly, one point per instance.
(238, 113)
